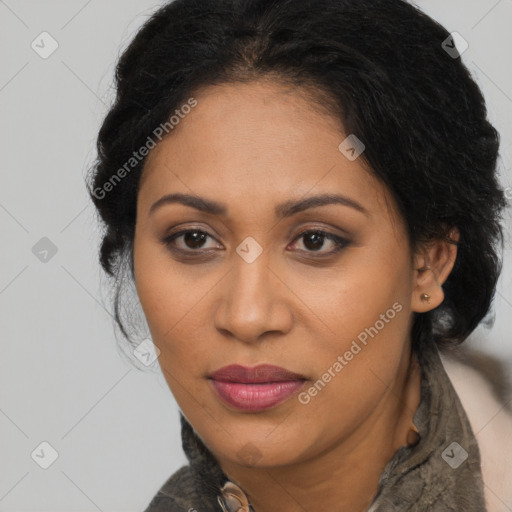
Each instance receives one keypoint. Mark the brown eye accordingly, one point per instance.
(192, 240)
(315, 240)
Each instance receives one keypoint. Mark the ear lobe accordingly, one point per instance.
(433, 264)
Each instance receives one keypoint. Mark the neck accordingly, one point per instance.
(345, 477)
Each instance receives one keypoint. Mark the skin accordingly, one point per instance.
(252, 146)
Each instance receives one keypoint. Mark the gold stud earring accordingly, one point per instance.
(425, 297)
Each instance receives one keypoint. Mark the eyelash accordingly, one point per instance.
(341, 242)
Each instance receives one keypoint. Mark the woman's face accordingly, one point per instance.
(245, 278)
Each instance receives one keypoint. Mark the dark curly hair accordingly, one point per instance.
(384, 67)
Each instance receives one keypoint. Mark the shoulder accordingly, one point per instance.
(177, 494)
(484, 391)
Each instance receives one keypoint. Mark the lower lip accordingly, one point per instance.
(256, 397)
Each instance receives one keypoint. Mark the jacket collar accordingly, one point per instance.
(442, 470)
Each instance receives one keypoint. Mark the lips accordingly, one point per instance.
(263, 373)
(257, 388)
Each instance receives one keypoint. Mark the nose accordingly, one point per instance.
(254, 303)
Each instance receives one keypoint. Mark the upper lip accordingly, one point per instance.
(257, 374)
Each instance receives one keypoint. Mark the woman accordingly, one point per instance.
(305, 196)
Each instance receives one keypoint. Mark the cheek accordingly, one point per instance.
(367, 286)
(159, 284)
(367, 312)
(171, 296)
(355, 367)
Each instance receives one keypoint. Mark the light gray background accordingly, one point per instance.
(116, 428)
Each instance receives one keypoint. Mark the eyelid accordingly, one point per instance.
(323, 227)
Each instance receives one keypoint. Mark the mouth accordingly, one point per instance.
(255, 389)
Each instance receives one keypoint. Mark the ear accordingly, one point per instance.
(432, 265)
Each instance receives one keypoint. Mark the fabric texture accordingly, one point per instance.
(483, 385)
(442, 473)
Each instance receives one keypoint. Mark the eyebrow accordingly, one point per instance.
(283, 210)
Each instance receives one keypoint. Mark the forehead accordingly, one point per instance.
(260, 141)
